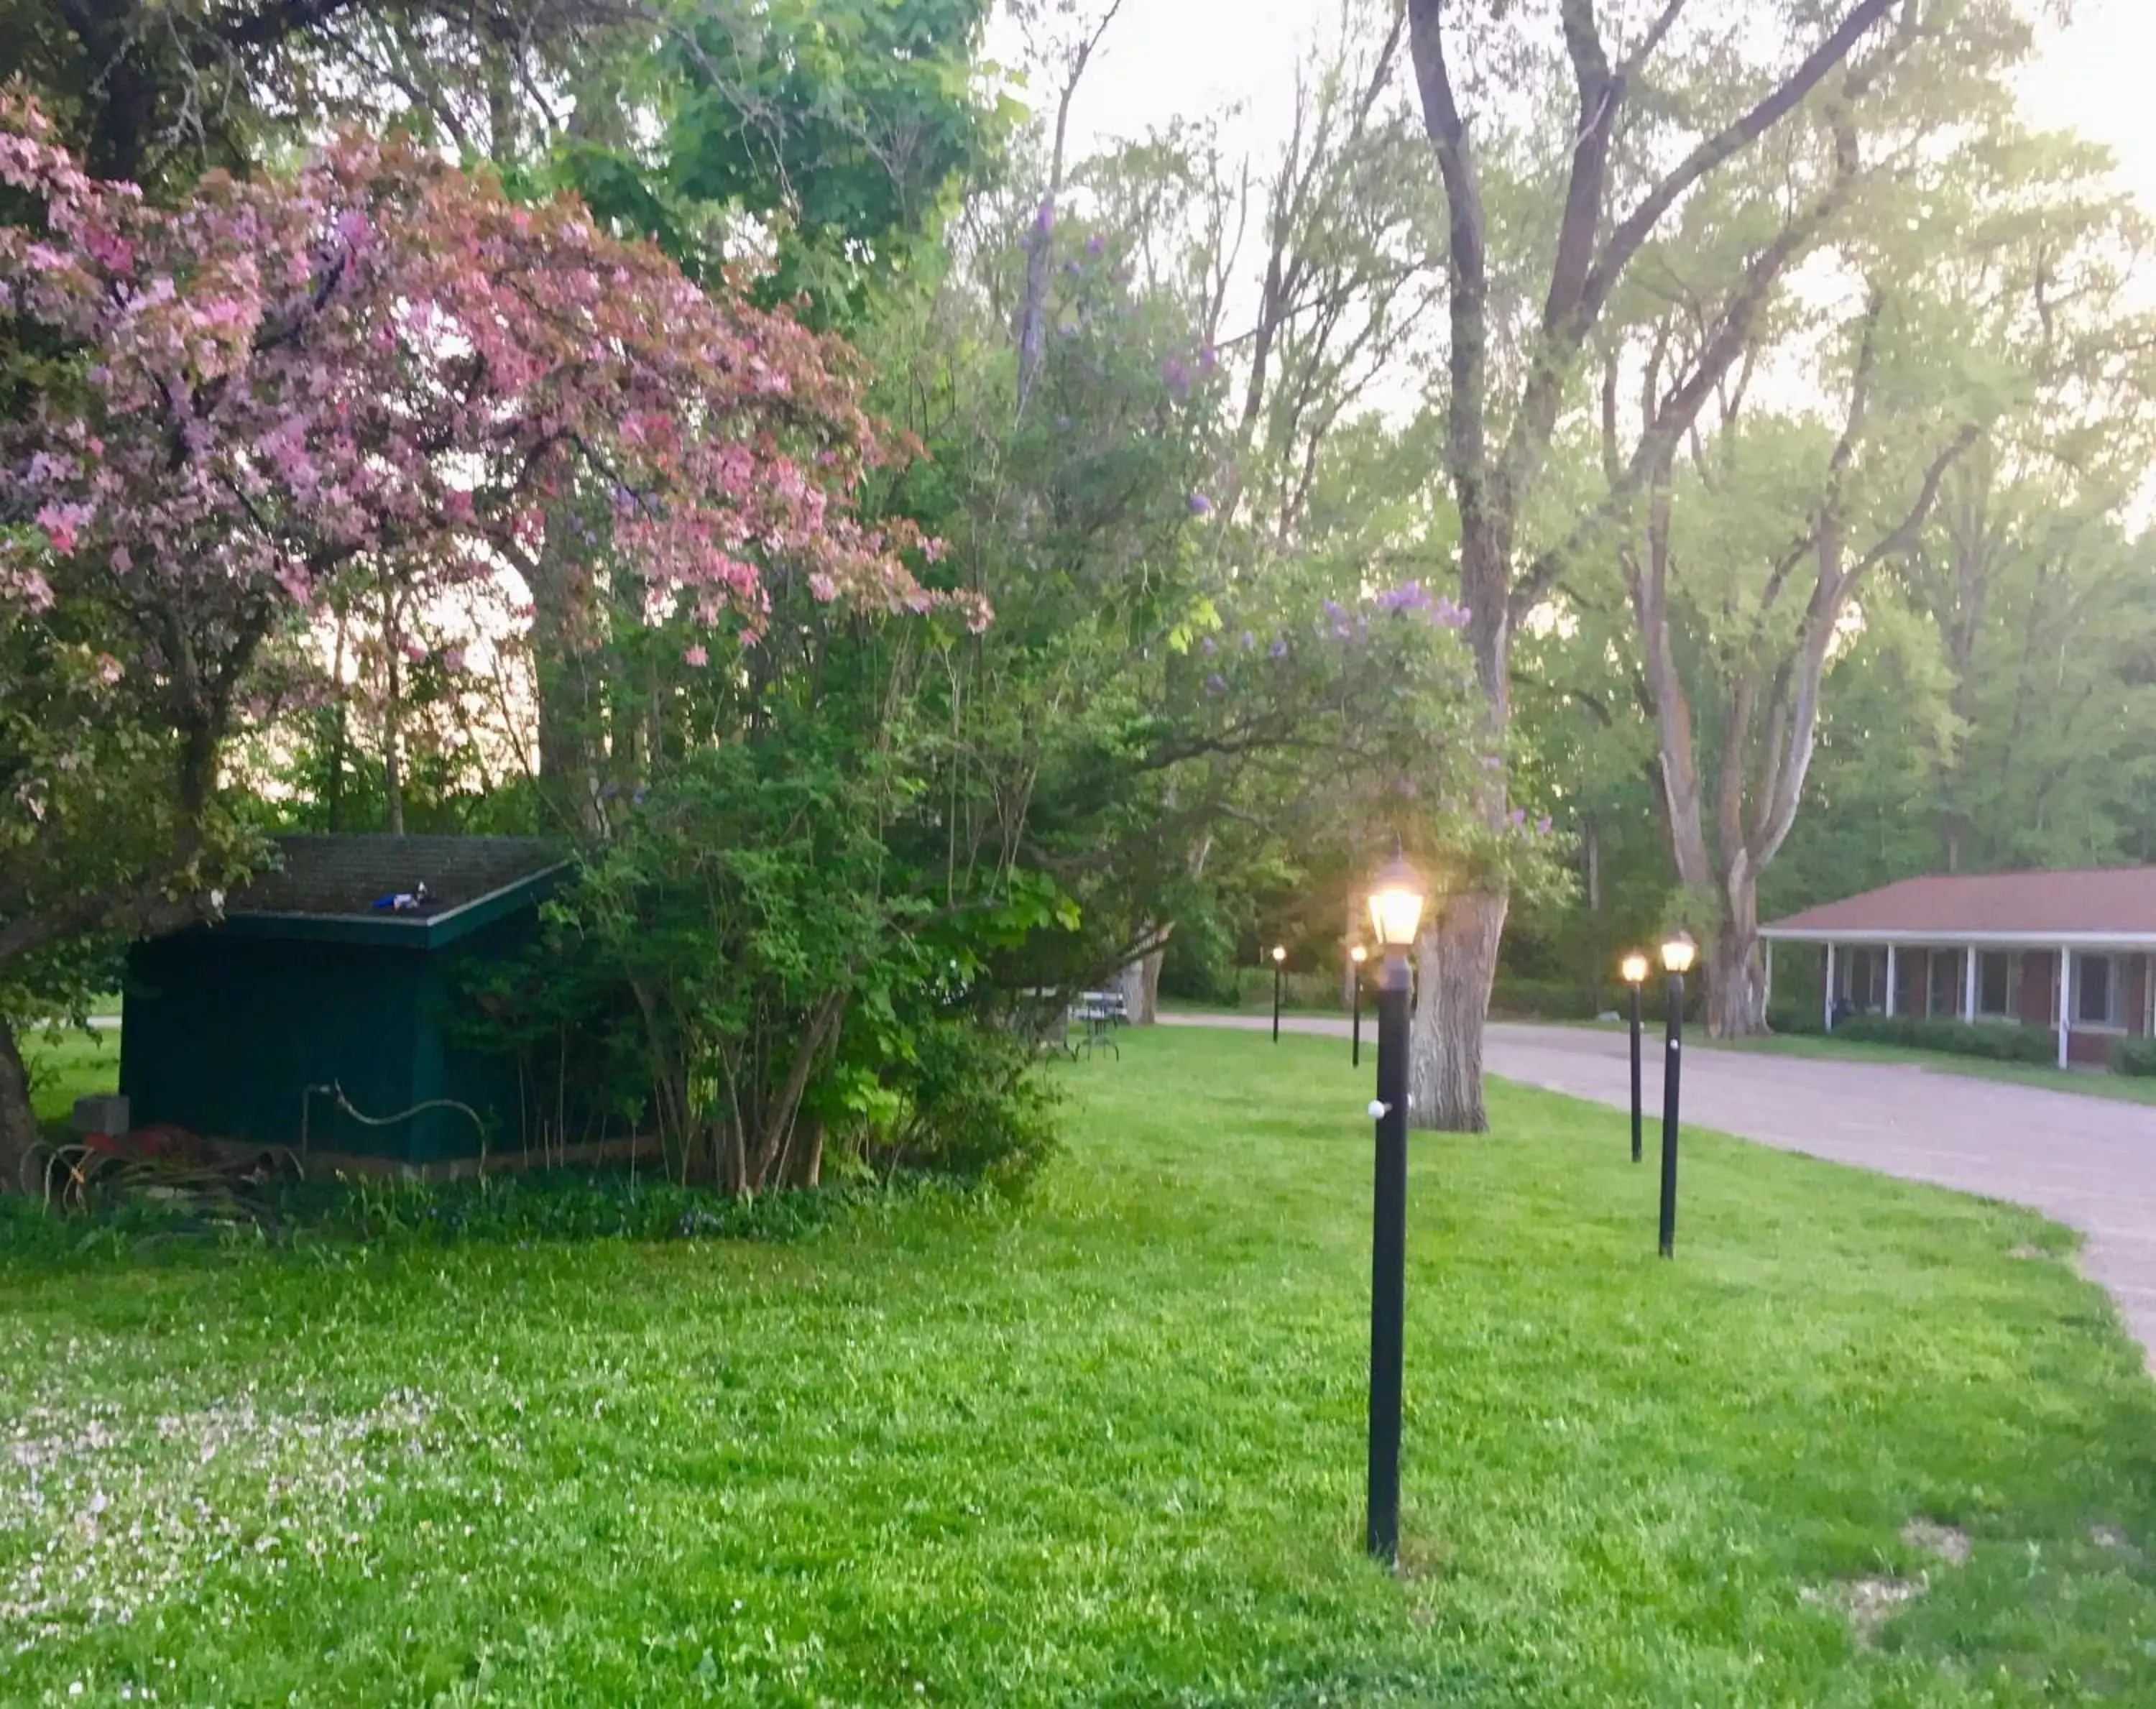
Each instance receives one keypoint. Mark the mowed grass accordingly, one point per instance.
(1105, 1447)
(65, 1065)
(2093, 1083)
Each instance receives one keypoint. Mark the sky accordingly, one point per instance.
(1162, 58)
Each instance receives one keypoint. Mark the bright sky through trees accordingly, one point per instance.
(1162, 57)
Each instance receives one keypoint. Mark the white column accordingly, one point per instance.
(1767, 983)
(1890, 981)
(2065, 992)
(1828, 1017)
(1969, 984)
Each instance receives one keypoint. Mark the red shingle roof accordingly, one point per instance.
(2094, 902)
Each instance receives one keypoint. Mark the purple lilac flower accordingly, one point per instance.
(1176, 375)
(1519, 815)
(1216, 683)
(1094, 244)
(1491, 763)
(1207, 644)
(1249, 640)
(1542, 826)
(1200, 506)
(1044, 221)
(1280, 646)
(1410, 596)
(1206, 359)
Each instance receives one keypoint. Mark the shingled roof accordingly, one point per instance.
(2109, 904)
(328, 886)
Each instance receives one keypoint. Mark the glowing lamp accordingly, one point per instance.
(1396, 900)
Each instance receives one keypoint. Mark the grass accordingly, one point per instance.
(2090, 1083)
(1105, 1447)
(65, 1065)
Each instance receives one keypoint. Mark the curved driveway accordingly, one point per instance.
(2088, 1162)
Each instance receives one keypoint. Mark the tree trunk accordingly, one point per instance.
(1736, 972)
(1596, 935)
(1349, 972)
(563, 601)
(1456, 962)
(1140, 983)
(393, 718)
(18, 1126)
(804, 1168)
(339, 730)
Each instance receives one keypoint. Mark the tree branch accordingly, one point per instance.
(1637, 227)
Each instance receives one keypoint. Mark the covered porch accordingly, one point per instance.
(2069, 953)
(2105, 992)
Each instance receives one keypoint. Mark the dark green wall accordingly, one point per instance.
(224, 1030)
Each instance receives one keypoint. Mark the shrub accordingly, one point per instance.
(1307, 989)
(970, 1104)
(2134, 1056)
(1549, 999)
(1996, 1041)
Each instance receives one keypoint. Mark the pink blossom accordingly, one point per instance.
(61, 522)
(697, 656)
(366, 428)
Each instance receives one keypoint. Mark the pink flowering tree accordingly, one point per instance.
(221, 413)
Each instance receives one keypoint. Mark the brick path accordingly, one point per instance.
(2088, 1162)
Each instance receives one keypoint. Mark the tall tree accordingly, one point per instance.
(376, 360)
(1663, 99)
(154, 92)
(1961, 240)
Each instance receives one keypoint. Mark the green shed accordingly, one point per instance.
(339, 969)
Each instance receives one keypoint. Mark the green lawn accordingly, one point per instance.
(2128, 1088)
(1105, 1448)
(64, 1064)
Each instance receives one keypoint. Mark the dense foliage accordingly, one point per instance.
(1994, 1041)
(1170, 533)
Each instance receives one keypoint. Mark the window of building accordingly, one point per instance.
(2097, 992)
(1994, 982)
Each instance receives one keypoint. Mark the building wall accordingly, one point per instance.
(225, 1033)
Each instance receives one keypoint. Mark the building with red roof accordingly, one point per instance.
(2068, 951)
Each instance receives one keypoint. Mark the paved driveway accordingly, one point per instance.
(2088, 1162)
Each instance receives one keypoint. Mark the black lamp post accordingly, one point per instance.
(1678, 951)
(1396, 911)
(1280, 967)
(1634, 967)
(1358, 956)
